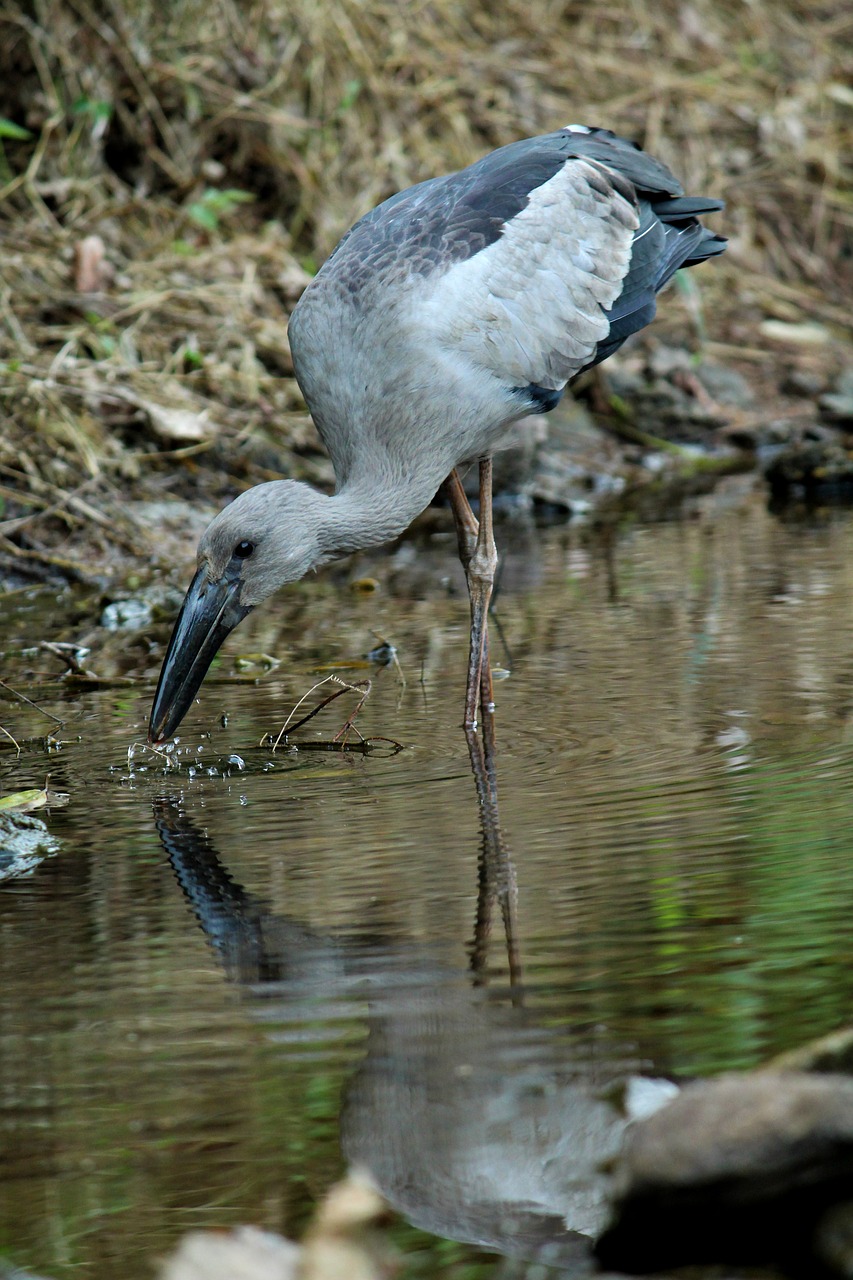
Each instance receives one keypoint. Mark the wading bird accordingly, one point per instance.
(443, 316)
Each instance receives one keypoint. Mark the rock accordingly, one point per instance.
(663, 361)
(576, 463)
(725, 385)
(127, 615)
(837, 408)
(677, 399)
(807, 334)
(514, 466)
(344, 1242)
(834, 1239)
(782, 430)
(802, 382)
(741, 1170)
(816, 460)
(561, 459)
(25, 842)
(644, 1095)
(742, 436)
(837, 405)
(246, 1253)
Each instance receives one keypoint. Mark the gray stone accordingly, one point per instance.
(126, 615)
(245, 1253)
(740, 1170)
(725, 385)
(834, 1239)
(816, 460)
(803, 382)
(25, 842)
(836, 407)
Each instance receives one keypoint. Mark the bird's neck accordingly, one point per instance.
(368, 511)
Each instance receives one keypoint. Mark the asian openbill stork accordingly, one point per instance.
(443, 316)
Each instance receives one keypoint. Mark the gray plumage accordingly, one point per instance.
(415, 343)
(443, 316)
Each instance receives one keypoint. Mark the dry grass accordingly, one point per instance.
(137, 111)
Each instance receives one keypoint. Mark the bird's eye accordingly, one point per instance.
(243, 550)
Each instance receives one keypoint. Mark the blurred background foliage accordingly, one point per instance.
(321, 109)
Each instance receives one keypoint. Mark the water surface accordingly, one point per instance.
(237, 975)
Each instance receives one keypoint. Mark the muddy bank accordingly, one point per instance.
(640, 436)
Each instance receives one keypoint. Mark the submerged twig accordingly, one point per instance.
(35, 706)
(363, 687)
(147, 746)
(14, 742)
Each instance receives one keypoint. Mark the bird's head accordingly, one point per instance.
(267, 537)
(264, 539)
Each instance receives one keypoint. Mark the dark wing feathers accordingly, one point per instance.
(622, 157)
(448, 219)
(635, 306)
(499, 190)
(687, 207)
(444, 221)
(669, 237)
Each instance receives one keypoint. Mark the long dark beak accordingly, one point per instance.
(210, 611)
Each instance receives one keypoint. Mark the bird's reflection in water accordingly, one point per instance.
(474, 1122)
(496, 881)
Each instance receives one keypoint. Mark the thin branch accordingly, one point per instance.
(346, 687)
(35, 706)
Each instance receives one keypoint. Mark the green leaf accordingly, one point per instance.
(8, 129)
(233, 195)
(35, 798)
(352, 89)
(98, 109)
(24, 801)
(214, 205)
(203, 216)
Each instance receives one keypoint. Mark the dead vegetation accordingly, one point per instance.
(170, 175)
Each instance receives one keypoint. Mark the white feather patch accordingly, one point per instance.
(530, 307)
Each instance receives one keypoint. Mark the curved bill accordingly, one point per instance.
(210, 611)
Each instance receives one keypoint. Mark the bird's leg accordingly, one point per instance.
(467, 525)
(479, 557)
(481, 577)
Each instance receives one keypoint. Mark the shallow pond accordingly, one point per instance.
(239, 972)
